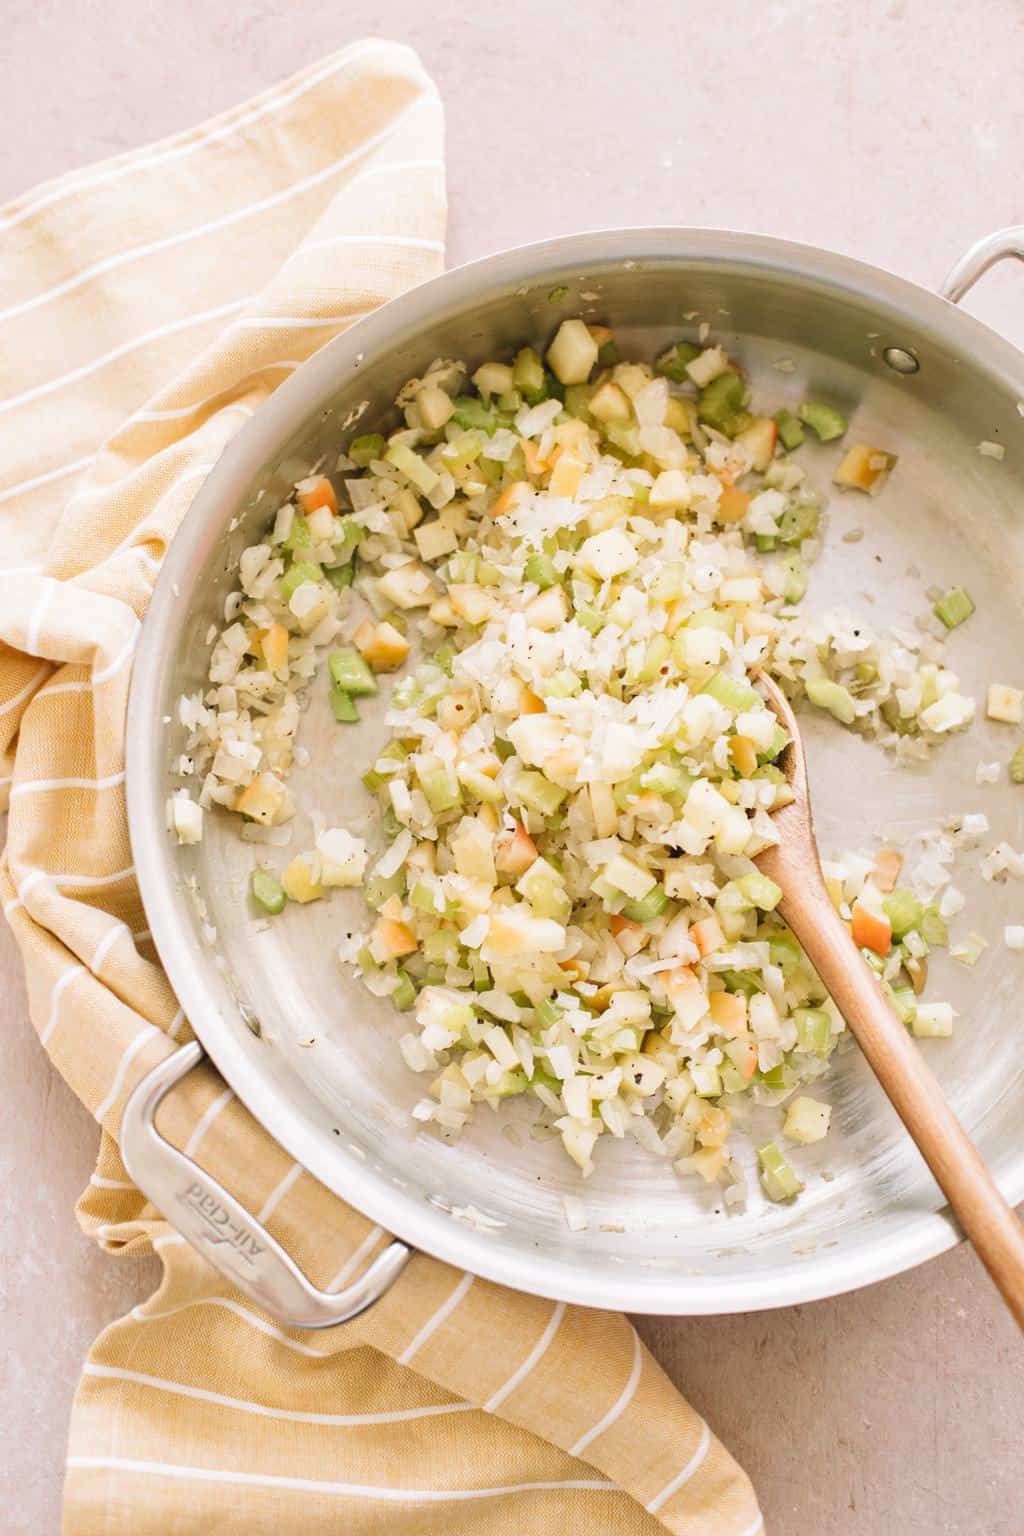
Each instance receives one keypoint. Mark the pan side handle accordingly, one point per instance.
(974, 263)
(210, 1218)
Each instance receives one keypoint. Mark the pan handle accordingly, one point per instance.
(974, 263)
(211, 1219)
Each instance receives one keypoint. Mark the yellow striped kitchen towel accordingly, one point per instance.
(147, 306)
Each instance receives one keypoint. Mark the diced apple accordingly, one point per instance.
(298, 882)
(316, 491)
(390, 940)
(443, 613)
(603, 809)
(712, 362)
(494, 379)
(759, 441)
(608, 403)
(548, 610)
(274, 644)
(408, 586)
(515, 853)
(629, 936)
(670, 491)
(473, 851)
(708, 936)
(435, 407)
(608, 554)
(566, 476)
(731, 506)
(514, 931)
(728, 1012)
(264, 800)
(573, 353)
(384, 647)
(513, 494)
(342, 857)
(863, 468)
(1004, 703)
(628, 877)
(888, 864)
(708, 1162)
(456, 710)
(435, 539)
(472, 603)
(807, 1120)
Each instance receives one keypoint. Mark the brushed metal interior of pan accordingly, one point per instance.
(493, 1199)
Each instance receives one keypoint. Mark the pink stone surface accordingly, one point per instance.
(890, 131)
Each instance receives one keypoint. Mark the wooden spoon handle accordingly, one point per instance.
(983, 1213)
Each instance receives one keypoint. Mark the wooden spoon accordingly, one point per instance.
(983, 1213)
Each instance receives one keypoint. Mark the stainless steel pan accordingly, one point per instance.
(917, 376)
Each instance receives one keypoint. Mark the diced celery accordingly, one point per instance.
(1017, 767)
(624, 437)
(777, 1176)
(783, 950)
(442, 790)
(343, 706)
(556, 295)
(825, 422)
(591, 618)
(666, 779)
(441, 947)
(731, 908)
(487, 575)
(267, 890)
(528, 376)
(659, 649)
(791, 433)
(414, 468)
(932, 927)
(719, 401)
(299, 536)
(794, 578)
(577, 400)
(731, 692)
(460, 454)
(777, 745)
(340, 576)
(538, 793)
(954, 607)
(295, 575)
(646, 908)
(798, 523)
(765, 543)
(608, 353)
(422, 897)
(540, 569)
(404, 995)
(351, 673)
(813, 1030)
(472, 414)
(833, 697)
(903, 910)
(740, 981)
(672, 362)
(905, 1003)
(760, 891)
(352, 536)
(547, 1012)
(361, 450)
(377, 889)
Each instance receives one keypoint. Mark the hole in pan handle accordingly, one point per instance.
(974, 263)
(210, 1218)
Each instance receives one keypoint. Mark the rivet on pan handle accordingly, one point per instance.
(983, 254)
(211, 1219)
